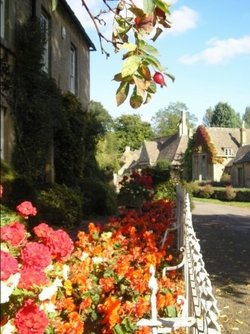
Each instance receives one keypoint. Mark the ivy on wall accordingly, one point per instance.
(203, 143)
(36, 104)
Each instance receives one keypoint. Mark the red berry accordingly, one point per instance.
(137, 21)
(159, 79)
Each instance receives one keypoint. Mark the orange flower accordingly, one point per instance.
(107, 284)
(111, 310)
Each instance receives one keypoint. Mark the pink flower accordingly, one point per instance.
(36, 256)
(1, 191)
(30, 277)
(26, 209)
(9, 265)
(42, 231)
(14, 233)
(59, 244)
(29, 319)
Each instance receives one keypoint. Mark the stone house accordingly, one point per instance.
(170, 149)
(240, 170)
(66, 57)
(215, 149)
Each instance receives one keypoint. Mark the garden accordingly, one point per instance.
(97, 283)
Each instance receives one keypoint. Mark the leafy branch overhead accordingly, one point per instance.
(134, 31)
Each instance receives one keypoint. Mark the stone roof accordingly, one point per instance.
(227, 138)
(243, 155)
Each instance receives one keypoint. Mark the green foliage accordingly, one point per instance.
(161, 172)
(166, 190)
(131, 131)
(107, 153)
(230, 193)
(69, 139)
(166, 120)
(60, 205)
(225, 116)
(36, 104)
(206, 191)
(7, 172)
(207, 117)
(188, 158)
(98, 197)
(246, 117)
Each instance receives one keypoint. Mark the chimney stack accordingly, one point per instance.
(243, 135)
(183, 129)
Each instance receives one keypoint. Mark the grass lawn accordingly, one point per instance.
(216, 201)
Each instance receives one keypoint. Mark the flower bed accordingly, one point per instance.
(97, 284)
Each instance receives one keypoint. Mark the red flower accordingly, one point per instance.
(59, 244)
(14, 233)
(29, 319)
(26, 209)
(36, 255)
(9, 265)
(42, 231)
(30, 277)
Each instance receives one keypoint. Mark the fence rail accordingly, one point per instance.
(199, 313)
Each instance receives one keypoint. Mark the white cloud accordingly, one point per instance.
(183, 19)
(219, 51)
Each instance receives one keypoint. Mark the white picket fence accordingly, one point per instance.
(199, 314)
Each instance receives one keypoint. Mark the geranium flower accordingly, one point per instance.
(15, 234)
(30, 319)
(26, 209)
(9, 265)
(31, 277)
(36, 256)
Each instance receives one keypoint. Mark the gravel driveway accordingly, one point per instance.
(224, 234)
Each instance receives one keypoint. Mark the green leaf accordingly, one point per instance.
(130, 65)
(171, 311)
(122, 93)
(148, 6)
(170, 76)
(163, 6)
(54, 4)
(129, 46)
(152, 88)
(150, 49)
(154, 62)
(135, 100)
(118, 329)
(148, 98)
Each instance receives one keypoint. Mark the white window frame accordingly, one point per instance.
(2, 17)
(72, 69)
(45, 27)
(228, 151)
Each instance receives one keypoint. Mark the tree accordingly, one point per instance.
(207, 117)
(225, 116)
(103, 118)
(246, 117)
(132, 26)
(166, 120)
(131, 131)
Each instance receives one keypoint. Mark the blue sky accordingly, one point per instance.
(207, 50)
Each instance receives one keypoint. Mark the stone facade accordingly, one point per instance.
(68, 52)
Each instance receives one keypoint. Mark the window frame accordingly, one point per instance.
(2, 16)
(73, 69)
(45, 26)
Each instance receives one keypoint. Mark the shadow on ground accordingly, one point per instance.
(225, 246)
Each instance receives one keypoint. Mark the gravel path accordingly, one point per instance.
(224, 234)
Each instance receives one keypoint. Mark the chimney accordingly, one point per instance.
(243, 135)
(183, 129)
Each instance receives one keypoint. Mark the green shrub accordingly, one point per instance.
(60, 205)
(229, 193)
(206, 191)
(166, 190)
(18, 190)
(98, 197)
